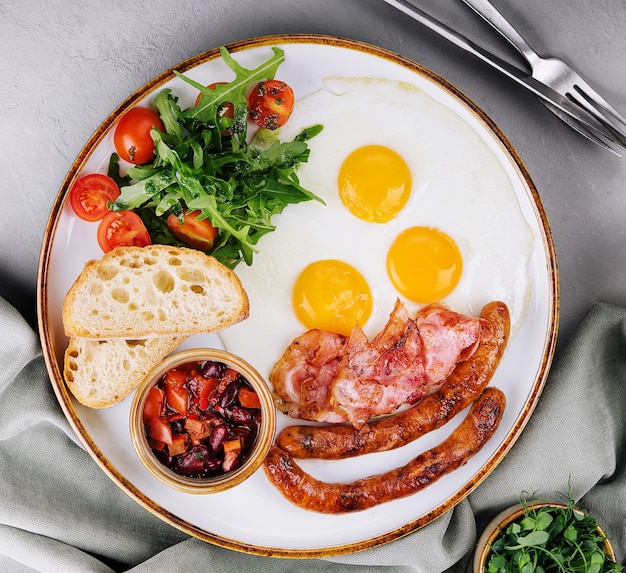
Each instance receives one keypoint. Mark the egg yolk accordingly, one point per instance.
(374, 183)
(332, 295)
(424, 264)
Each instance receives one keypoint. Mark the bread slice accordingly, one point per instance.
(101, 373)
(159, 290)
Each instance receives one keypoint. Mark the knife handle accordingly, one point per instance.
(486, 10)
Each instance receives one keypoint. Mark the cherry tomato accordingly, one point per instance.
(270, 104)
(205, 387)
(248, 398)
(132, 139)
(159, 429)
(156, 444)
(199, 234)
(122, 228)
(176, 378)
(177, 398)
(154, 404)
(89, 196)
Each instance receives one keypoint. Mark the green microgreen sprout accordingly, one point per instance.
(550, 539)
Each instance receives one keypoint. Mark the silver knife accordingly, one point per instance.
(558, 102)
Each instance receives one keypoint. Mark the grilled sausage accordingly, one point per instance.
(312, 494)
(460, 389)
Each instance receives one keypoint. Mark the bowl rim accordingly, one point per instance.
(507, 516)
(262, 444)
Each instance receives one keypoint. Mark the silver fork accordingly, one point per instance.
(557, 74)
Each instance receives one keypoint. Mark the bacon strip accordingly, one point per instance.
(302, 377)
(327, 377)
(376, 377)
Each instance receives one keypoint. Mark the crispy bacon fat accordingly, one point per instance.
(327, 377)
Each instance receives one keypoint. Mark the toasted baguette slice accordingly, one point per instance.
(101, 373)
(141, 292)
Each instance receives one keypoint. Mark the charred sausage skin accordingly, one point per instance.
(466, 440)
(460, 389)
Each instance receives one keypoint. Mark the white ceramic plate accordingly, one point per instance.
(254, 517)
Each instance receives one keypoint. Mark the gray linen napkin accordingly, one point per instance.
(60, 513)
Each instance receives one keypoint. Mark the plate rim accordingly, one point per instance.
(55, 373)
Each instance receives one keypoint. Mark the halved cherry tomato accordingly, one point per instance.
(122, 228)
(132, 138)
(154, 404)
(90, 194)
(227, 109)
(177, 398)
(248, 398)
(156, 444)
(270, 104)
(199, 234)
(174, 377)
(159, 429)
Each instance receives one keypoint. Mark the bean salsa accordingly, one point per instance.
(202, 418)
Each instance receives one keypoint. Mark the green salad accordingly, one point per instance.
(203, 162)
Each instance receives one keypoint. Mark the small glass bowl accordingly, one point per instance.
(224, 481)
(508, 516)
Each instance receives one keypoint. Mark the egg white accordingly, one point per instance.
(458, 187)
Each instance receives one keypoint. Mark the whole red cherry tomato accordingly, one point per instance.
(132, 138)
(270, 104)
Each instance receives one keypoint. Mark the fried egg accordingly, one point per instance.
(417, 207)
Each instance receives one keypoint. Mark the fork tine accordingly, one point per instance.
(580, 128)
(600, 109)
(588, 92)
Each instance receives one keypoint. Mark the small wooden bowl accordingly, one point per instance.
(508, 516)
(224, 481)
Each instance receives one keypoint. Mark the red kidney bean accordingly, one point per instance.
(212, 418)
(192, 461)
(247, 434)
(217, 438)
(229, 394)
(163, 456)
(239, 415)
(211, 369)
(178, 426)
(212, 463)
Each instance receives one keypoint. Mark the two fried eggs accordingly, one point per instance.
(416, 207)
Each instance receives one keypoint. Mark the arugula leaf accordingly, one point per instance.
(114, 171)
(233, 92)
(237, 185)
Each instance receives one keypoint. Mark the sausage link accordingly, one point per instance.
(312, 494)
(460, 389)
